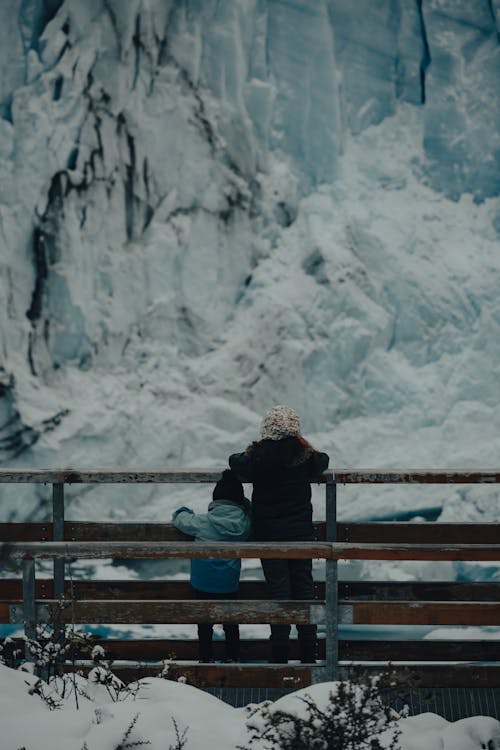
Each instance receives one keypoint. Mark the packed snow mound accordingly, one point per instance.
(149, 716)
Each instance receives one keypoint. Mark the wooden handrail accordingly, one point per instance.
(194, 475)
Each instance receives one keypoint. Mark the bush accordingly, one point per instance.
(354, 717)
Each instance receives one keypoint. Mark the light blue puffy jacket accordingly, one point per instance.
(225, 522)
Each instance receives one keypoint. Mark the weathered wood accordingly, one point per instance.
(262, 611)
(350, 592)
(296, 676)
(417, 476)
(4, 612)
(415, 551)
(259, 649)
(382, 532)
(426, 650)
(437, 676)
(103, 550)
(110, 476)
(294, 550)
(419, 591)
(26, 532)
(181, 611)
(223, 675)
(378, 532)
(118, 476)
(11, 590)
(349, 650)
(429, 613)
(259, 611)
(122, 532)
(342, 476)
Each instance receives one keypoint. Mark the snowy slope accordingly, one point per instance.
(98, 723)
(207, 208)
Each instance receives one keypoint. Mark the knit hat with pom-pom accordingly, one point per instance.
(280, 422)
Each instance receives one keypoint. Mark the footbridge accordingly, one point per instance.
(457, 676)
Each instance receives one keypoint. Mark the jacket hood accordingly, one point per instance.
(229, 519)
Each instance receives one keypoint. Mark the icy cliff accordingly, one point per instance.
(210, 207)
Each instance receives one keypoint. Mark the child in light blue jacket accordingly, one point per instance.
(227, 520)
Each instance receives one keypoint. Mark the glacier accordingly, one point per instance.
(208, 207)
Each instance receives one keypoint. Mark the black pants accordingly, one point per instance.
(290, 579)
(205, 631)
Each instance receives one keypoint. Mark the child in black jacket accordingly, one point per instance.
(281, 467)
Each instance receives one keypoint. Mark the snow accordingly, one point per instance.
(101, 722)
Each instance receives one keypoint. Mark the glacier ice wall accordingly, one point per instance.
(207, 208)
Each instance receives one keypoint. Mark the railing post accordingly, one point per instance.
(331, 586)
(58, 535)
(29, 603)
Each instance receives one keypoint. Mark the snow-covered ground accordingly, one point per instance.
(99, 723)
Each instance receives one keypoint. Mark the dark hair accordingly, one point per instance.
(285, 452)
(288, 451)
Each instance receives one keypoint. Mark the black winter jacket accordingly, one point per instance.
(281, 472)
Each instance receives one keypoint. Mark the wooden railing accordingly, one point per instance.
(467, 662)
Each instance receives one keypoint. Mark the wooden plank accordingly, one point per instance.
(181, 611)
(419, 591)
(451, 675)
(11, 590)
(160, 550)
(262, 611)
(122, 532)
(110, 476)
(426, 650)
(417, 476)
(26, 532)
(345, 551)
(432, 613)
(224, 675)
(378, 532)
(294, 550)
(259, 649)
(188, 475)
(296, 676)
(258, 611)
(4, 612)
(419, 533)
(426, 675)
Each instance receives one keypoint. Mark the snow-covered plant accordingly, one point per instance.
(180, 737)
(126, 742)
(10, 653)
(56, 644)
(354, 717)
(172, 671)
(55, 653)
(115, 688)
(49, 697)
